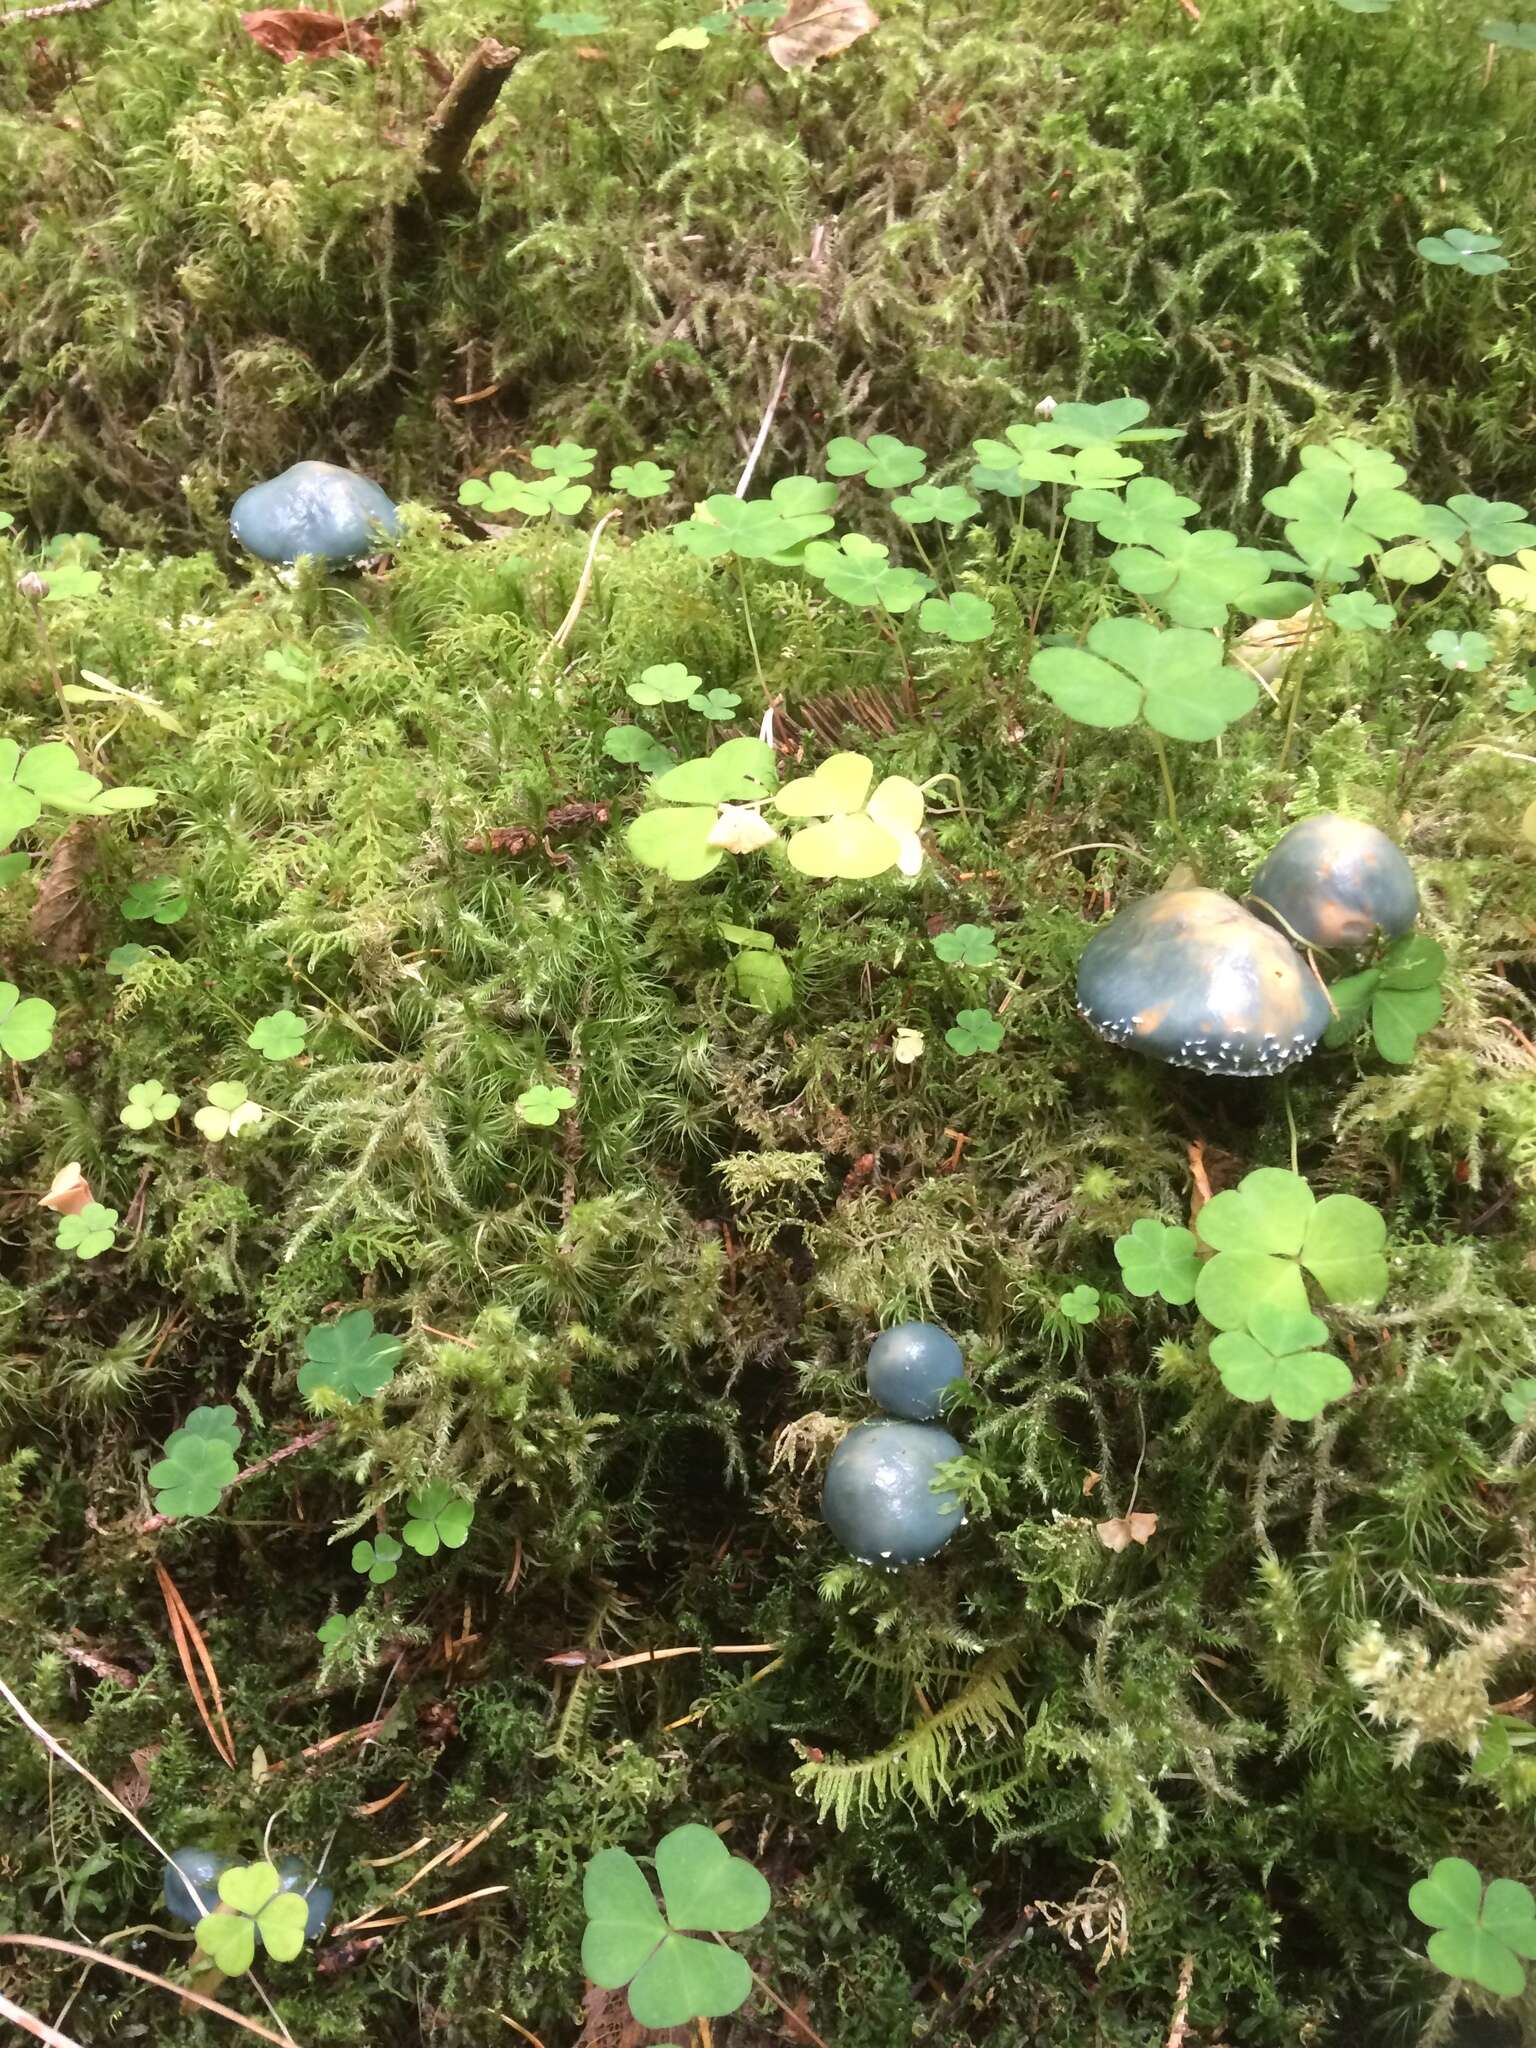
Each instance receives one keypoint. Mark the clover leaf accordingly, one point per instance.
(1033, 454)
(1147, 508)
(12, 867)
(719, 705)
(1461, 249)
(1512, 35)
(566, 458)
(578, 22)
(48, 777)
(672, 1978)
(334, 1630)
(229, 1111)
(1158, 1258)
(974, 1031)
(1482, 1931)
(961, 618)
(882, 461)
(149, 1102)
(1080, 1306)
(1516, 582)
(1075, 425)
(259, 1906)
(865, 832)
(544, 1104)
(439, 1518)
(199, 1462)
(664, 682)
(1491, 526)
(378, 1557)
(279, 1036)
(636, 747)
(349, 1358)
(1400, 995)
(121, 958)
(1271, 1229)
(1276, 1359)
(1196, 578)
(534, 497)
(68, 580)
(1519, 1401)
(1172, 677)
(1469, 651)
(1357, 611)
(691, 830)
(950, 504)
(162, 901)
(758, 529)
(26, 1023)
(1343, 505)
(859, 571)
(641, 479)
(968, 945)
(88, 1234)
(764, 981)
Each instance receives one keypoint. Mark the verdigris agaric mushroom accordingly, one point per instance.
(879, 1500)
(1191, 978)
(1334, 881)
(911, 1369)
(296, 1876)
(189, 1868)
(314, 508)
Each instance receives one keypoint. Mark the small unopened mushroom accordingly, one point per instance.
(879, 1500)
(314, 508)
(191, 1886)
(1191, 978)
(1335, 881)
(911, 1369)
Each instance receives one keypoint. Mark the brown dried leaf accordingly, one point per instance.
(70, 1193)
(1125, 1530)
(61, 918)
(133, 1787)
(809, 30)
(606, 2023)
(1090, 1481)
(293, 32)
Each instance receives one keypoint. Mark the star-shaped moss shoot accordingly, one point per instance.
(258, 1908)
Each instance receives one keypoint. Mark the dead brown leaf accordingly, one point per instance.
(61, 917)
(70, 1192)
(133, 1787)
(294, 32)
(1125, 1530)
(606, 2023)
(1090, 1481)
(809, 30)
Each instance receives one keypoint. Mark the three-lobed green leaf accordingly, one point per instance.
(1276, 1358)
(1400, 996)
(349, 1358)
(1158, 1258)
(1482, 1931)
(1173, 677)
(1271, 1230)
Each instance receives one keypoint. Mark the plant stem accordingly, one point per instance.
(1299, 662)
(746, 612)
(1039, 604)
(768, 1991)
(1162, 761)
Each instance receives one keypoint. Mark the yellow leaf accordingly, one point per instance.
(853, 847)
(740, 829)
(1516, 586)
(841, 783)
(897, 805)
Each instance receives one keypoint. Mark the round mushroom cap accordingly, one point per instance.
(911, 1369)
(296, 1876)
(188, 1867)
(314, 508)
(879, 1501)
(1334, 881)
(1191, 978)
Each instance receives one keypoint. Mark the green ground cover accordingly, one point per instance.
(579, 1186)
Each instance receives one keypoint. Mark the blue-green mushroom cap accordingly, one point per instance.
(189, 1868)
(296, 1876)
(314, 508)
(879, 1500)
(1190, 978)
(911, 1369)
(1335, 881)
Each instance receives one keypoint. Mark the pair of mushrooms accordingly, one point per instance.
(1193, 979)
(879, 1499)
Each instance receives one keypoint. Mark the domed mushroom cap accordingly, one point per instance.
(1334, 881)
(315, 508)
(911, 1368)
(878, 1499)
(1191, 978)
(188, 1867)
(296, 1876)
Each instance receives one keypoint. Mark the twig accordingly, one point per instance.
(461, 113)
(29, 2022)
(762, 433)
(288, 1450)
(567, 625)
(99, 1956)
(1178, 2030)
(537, 2043)
(55, 7)
(189, 1646)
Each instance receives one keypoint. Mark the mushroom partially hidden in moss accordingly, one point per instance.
(1335, 881)
(191, 1886)
(911, 1369)
(1191, 978)
(296, 1876)
(314, 508)
(879, 1500)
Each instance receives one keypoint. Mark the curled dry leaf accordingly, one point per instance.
(1125, 1530)
(606, 2023)
(70, 1193)
(293, 32)
(809, 30)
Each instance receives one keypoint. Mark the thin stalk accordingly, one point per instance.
(788, 2011)
(891, 632)
(746, 612)
(1299, 663)
(1162, 761)
(1039, 604)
